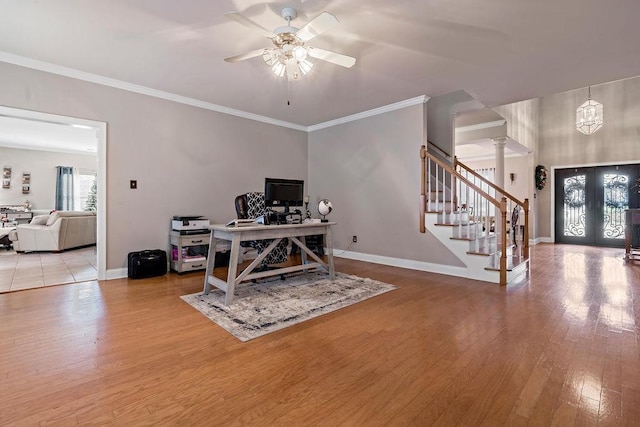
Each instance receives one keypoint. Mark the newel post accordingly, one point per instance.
(525, 235)
(503, 239)
(423, 186)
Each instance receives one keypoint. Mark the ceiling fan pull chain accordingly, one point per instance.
(288, 101)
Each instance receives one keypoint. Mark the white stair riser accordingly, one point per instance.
(475, 264)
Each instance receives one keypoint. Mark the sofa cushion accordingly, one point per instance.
(39, 220)
(52, 218)
(66, 214)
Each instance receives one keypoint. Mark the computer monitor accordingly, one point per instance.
(283, 192)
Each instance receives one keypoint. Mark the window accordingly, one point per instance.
(83, 189)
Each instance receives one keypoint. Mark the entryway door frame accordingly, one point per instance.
(101, 135)
(552, 212)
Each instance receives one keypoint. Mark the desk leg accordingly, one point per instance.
(211, 262)
(329, 238)
(233, 268)
(303, 254)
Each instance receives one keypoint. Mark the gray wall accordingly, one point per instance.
(561, 145)
(187, 160)
(42, 166)
(522, 121)
(370, 170)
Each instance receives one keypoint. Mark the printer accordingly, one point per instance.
(190, 224)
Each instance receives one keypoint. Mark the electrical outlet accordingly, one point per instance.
(355, 239)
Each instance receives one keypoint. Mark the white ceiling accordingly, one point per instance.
(500, 51)
(48, 136)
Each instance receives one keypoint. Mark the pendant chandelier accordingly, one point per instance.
(589, 116)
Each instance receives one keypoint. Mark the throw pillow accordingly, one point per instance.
(52, 218)
(39, 220)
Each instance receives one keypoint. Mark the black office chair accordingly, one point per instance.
(250, 206)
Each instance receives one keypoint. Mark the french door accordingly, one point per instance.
(590, 204)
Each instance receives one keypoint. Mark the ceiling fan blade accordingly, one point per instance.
(244, 56)
(318, 25)
(243, 20)
(333, 57)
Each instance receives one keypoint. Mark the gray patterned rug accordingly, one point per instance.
(267, 306)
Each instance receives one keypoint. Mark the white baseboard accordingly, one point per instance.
(403, 263)
(120, 273)
(117, 273)
(543, 240)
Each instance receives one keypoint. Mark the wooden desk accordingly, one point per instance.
(295, 232)
(632, 221)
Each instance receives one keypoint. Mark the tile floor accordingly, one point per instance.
(40, 269)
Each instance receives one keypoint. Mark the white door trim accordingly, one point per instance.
(101, 134)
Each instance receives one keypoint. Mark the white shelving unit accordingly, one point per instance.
(179, 244)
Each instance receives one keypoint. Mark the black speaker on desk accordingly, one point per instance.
(277, 218)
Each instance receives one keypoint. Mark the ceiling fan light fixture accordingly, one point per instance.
(305, 66)
(289, 55)
(300, 53)
(278, 68)
(292, 69)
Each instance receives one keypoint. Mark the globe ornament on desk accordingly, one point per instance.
(324, 208)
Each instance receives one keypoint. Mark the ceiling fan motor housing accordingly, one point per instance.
(289, 13)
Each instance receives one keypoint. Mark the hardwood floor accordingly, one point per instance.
(558, 349)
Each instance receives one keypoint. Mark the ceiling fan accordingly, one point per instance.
(290, 54)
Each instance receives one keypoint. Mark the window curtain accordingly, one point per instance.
(64, 188)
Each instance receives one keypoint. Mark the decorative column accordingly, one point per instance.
(499, 144)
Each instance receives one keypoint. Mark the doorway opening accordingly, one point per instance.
(100, 129)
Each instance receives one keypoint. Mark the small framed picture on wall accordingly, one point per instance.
(26, 182)
(6, 177)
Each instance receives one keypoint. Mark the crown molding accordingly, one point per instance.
(119, 84)
(143, 90)
(369, 113)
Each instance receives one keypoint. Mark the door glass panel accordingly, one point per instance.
(574, 205)
(616, 200)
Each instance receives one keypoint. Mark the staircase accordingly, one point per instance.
(481, 223)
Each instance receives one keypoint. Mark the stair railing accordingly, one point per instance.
(458, 183)
(512, 202)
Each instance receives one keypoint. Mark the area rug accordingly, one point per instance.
(267, 306)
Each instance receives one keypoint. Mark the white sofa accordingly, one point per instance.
(56, 232)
